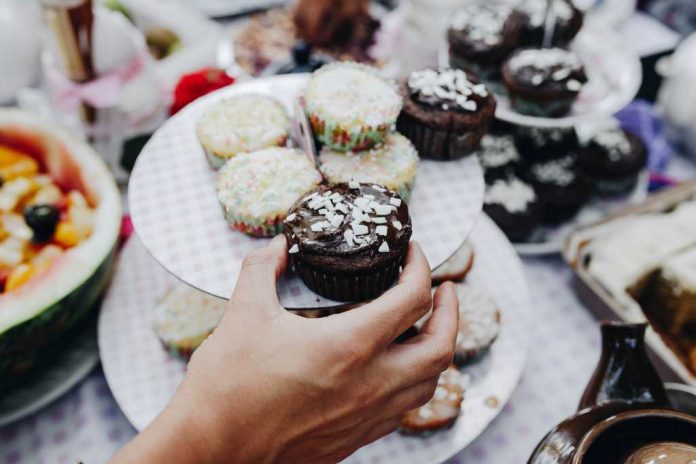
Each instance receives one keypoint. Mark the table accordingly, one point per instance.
(87, 425)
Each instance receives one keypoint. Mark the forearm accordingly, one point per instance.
(169, 439)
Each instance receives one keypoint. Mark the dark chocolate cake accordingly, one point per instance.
(348, 241)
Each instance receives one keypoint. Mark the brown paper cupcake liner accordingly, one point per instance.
(439, 145)
(350, 286)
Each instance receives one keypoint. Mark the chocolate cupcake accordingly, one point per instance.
(561, 187)
(481, 36)
(348, 241)
(543, 82)
(513, 206)
(446, 112)
(613, 158)
(569, 21)
(537, 144)
(498, 156)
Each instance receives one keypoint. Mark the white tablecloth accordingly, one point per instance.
(86, 424)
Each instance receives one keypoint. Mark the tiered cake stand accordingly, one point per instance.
(181, 234)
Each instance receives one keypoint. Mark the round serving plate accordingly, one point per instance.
(614, 76)
(78, 357)
(550, 239)
(176, 214)
(143, 376)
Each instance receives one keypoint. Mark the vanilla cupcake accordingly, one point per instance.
(185, 317)
(241, 124)
(393, 165)
(350, 107)
(256, 189)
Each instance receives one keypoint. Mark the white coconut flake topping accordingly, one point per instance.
(294, 249)
(445, 87)
(383, 210)
(514, 195)
(384, 248)
(545, 58)
(482, 23)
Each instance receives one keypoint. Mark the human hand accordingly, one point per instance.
(270, 386)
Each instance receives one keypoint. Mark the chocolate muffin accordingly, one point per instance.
(446, 112)
(498, 156)
(613, 158)
(561, 187)
(543, 82)
(513, 206)
(569, 21)
(348, 241)
(481, 36)
(537, 144)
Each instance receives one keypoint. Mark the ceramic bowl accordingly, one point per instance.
(639, 436)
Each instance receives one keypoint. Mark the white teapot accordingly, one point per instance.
(677, 97)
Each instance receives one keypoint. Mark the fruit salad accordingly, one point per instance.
(38, 220)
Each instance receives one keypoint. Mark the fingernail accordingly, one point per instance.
(277, 239)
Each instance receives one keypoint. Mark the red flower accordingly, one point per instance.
(196, 84)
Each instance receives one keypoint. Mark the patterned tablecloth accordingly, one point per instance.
(87, 425)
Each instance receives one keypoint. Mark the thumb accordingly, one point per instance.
(261, 268)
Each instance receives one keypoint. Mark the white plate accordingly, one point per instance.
(78, 358)
(550, 239)
(176, 213)
(614, 76)
(143, 376)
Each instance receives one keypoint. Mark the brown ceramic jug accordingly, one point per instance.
(624, 372)
(625, 388)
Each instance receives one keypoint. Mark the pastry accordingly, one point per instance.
(498, 156)
(442, 411)
(456, 267)
(543, 82)
(481, 36)
(241, 124)
(613, 158)
(446, 112)
(479, 323)
(560, 186)
(348, 241)
(536, 144)
(185, 317)
(513, 206)
(568, 22)
(392, 164)
(647, 263)
(350, 106)
(256, 189)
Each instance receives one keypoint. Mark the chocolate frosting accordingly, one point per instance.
(345, 219)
